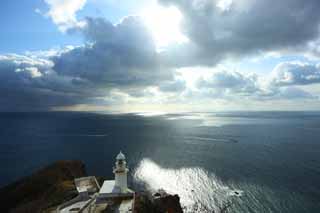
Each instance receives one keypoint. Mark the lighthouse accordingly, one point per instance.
(120, 173)
(113, 193)
(117, 188)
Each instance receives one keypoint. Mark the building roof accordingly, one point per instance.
(121, 156)
(108, 187)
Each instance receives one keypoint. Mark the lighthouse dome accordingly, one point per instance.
(121, 156)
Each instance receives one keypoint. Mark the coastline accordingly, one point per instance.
(49, 187)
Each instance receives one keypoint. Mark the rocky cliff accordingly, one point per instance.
(164, 204)
(46, 188)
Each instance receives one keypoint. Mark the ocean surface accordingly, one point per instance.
(252, 161)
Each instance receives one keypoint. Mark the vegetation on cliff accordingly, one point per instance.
(46, 188)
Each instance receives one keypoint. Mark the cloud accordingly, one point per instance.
(225, 84)
(33, 83)
(63, 13)
(30, 83)
(224, 81)
(217, 29)
(177, 85)
(295, 73)
(117, 60)
(294, 93)
(122, 55)
(120, 63)
(242, 28)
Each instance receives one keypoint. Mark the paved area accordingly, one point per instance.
(74, 207)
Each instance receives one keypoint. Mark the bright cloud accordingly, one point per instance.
(224, 5)
(63, 12)
(164, 24)
(295, 73)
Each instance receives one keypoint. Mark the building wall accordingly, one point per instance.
(121, 180)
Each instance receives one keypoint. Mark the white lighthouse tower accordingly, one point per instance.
(117, 188)
(120, 172)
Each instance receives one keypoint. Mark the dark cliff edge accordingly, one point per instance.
(45, 189)
(167, 203)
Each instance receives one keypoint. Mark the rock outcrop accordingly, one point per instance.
(164, 203)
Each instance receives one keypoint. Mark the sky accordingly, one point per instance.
(159, 55)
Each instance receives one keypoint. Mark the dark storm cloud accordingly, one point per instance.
(247, 27)
(122, 55)
(30, 84)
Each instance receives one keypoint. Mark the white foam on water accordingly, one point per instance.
(195, 186)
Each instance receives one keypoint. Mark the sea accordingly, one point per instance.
(243, 161)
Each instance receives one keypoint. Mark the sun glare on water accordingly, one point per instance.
(193, 185)
(164, 24)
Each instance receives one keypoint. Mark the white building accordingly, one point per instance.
(117, 188)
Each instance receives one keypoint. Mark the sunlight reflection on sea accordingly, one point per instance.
(195, 186)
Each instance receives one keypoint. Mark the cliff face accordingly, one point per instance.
(45, 188)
